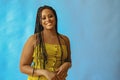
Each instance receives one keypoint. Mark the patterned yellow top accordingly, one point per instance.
(53, 58)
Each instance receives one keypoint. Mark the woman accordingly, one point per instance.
(46, 54)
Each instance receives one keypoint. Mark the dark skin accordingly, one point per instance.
(50, 36)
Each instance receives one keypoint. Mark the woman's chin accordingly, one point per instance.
(49, 27)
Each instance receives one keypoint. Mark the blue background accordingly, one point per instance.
(93, 27)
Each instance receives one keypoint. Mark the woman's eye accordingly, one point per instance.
(43, 18)
(50, 16)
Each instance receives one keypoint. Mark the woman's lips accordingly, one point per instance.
(49, 24)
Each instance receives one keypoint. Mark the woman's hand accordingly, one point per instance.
(50, 75)
(62, 70)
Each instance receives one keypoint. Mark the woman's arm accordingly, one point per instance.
(63, 69)
(26, 60)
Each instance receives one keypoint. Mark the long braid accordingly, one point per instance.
(38, 29)
(43, 50)
(60, 47)
(67, 59)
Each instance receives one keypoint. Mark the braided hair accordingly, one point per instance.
(39, 28)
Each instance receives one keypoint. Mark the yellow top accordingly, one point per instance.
(53, 58)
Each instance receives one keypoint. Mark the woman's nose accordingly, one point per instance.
(47, 19)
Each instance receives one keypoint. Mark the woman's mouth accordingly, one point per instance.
(49, 24)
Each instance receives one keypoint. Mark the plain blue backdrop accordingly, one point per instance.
(93, 27)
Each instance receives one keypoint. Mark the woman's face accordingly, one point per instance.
(48, 19)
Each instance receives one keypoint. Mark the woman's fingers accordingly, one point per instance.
(58, 78)
(59, 72)
(65, 75)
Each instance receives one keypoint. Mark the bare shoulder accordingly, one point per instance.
(65, 38)
(32, 39)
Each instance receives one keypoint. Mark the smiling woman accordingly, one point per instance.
(48, 50)
(48, 19)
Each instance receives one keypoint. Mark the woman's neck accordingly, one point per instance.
(49, 33)
(50, 36)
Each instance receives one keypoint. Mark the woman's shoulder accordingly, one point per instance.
(32, 38)
(64, 37)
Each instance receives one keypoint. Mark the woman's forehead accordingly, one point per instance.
(47, 11)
